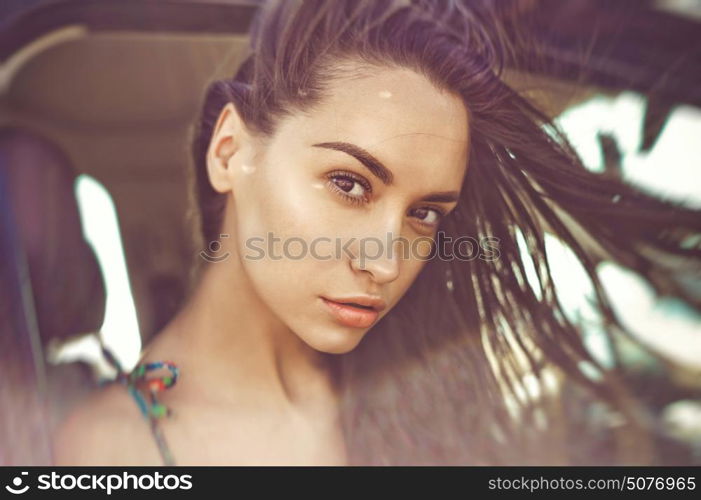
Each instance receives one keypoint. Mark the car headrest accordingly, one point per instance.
(66, 280)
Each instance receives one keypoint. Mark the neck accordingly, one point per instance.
(227, 337)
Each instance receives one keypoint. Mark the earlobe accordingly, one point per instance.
(225, 141)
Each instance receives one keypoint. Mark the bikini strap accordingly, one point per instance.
(145, 391)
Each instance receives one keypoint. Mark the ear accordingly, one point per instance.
(228, 137)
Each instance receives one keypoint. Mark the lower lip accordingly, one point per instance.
(351, 316)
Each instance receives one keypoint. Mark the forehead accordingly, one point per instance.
(399, 116)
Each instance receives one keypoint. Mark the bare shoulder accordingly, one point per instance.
(107, 429)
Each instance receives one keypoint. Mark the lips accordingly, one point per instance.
(358, 313)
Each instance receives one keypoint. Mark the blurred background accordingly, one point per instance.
(97, 98)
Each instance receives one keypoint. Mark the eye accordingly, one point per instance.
(350, 186)
(429, 216)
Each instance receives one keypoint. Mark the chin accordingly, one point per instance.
(336, 341)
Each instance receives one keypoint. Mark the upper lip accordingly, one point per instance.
(364, 300)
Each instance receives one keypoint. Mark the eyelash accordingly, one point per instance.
(366, 185)
(351, 177)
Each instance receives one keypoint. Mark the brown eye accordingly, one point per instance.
(349, 186)
(428, 216)
(354, 189)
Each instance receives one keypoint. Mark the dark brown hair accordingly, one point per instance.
(441, 379)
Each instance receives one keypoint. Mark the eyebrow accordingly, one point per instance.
(379, 170)
(371, 163)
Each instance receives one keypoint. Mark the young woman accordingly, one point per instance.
(334, 327)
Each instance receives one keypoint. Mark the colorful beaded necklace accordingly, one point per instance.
(138, 383)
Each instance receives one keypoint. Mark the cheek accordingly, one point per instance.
(409, 272)
(286, 285)
(285, 199)
(278, 220)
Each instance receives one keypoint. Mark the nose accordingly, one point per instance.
(382, 270)
(379, 255)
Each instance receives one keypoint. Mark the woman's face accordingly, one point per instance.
(314, 210)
